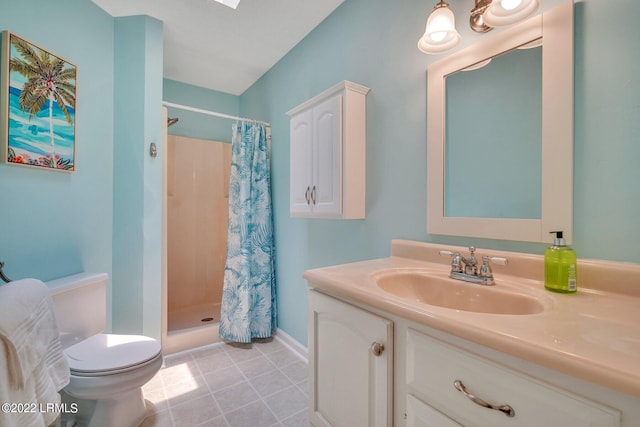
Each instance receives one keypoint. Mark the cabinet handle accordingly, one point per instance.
(377, 348)
(306, 195)
(313, 195)
(505, 409)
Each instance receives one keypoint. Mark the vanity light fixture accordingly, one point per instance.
(440, 34)
(476, 17)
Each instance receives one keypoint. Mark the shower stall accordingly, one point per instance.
(197, 216)
(196, 183)
(195, 205)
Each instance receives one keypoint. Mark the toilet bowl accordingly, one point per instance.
(107, 370)
(111, 370)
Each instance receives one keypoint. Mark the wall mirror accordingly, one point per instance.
(500, 134)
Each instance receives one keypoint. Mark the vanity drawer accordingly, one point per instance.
(432, 367)
(419, 414)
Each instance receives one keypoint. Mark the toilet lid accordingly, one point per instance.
(109, 352)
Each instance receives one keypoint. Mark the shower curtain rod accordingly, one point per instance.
(211, 113)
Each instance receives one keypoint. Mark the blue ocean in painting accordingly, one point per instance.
(31, 136)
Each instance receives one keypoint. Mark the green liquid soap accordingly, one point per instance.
(560, 262)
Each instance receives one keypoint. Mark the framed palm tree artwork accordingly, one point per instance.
(37, 106)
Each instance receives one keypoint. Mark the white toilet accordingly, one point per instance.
(107, 370)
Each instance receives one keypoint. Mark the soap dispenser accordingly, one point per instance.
(560, 273)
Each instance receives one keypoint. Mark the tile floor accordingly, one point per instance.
(256, 385)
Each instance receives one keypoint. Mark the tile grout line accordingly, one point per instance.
(260, 397)
(296, 386)
(211, 393)
(164, 391)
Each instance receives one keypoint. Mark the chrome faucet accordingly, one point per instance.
(466, 269)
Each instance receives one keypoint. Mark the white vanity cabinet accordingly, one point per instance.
(351, 364)
(350, 386)
(328, 154)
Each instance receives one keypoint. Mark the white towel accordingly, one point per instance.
(35, 362)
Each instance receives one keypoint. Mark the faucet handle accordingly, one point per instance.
(456, 260)
(485, 269)
(495, 260)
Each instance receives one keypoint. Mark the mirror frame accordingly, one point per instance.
(555, 27)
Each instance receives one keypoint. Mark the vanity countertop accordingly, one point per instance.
(593, 334)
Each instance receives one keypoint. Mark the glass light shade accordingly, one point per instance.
(478, 65)
(231, 3)
(440, 33)
(507, 12)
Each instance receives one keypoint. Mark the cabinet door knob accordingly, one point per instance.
(306, 194)
(505, 409)
(313, 195)
(377, 348)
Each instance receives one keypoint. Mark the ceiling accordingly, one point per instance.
(214, 46)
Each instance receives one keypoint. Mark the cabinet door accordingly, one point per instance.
(301, 163)
(327, 140)
(350, 385)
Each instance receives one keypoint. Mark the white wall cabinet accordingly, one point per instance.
(352, 387)
(350, 362)
(328, 154)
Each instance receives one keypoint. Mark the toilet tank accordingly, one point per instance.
(80, 306)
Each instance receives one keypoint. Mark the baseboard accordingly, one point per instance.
(176, 344)
(292, 344)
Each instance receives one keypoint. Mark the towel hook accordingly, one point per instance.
(2, 275)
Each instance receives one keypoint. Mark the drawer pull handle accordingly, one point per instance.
(377, 348)
(306, 195)
(505, 409)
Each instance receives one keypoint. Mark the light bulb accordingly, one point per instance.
(438, 36)
(510, 4)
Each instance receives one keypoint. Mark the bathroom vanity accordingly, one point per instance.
(395, 341)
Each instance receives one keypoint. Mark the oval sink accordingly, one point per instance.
(442, 291)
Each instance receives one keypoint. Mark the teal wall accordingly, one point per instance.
(373, 42)
(607, 130)
(105, 217)
(197, 125)
(137, 233)
(54, 224)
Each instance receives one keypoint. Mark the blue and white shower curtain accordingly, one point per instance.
(248, 307)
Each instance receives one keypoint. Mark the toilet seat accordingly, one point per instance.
(110, 354)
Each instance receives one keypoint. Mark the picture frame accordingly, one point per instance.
(37, 106)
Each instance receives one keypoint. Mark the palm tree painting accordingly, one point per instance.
(38, 110)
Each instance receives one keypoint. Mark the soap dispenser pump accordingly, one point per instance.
(560, 273)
